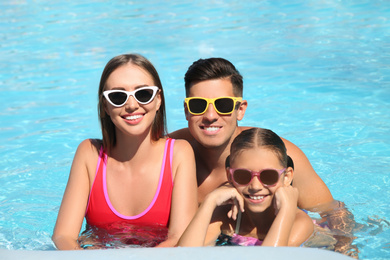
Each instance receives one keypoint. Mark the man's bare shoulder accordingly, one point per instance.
(243, 128)
(286, 142)
(292, 149)
(183, 133)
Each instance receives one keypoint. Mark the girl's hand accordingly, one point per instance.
(286, 198)
(226, 195)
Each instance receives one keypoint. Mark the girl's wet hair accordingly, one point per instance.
(159, 128)
(259, 137)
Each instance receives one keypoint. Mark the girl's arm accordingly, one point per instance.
(201, 232)
(74, 202)
(302, 229)
(184, 194)
(286, 207)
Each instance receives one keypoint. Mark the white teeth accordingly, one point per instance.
(133, 117)
(211, 128)
(256, 197)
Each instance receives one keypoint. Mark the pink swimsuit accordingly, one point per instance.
(242, 240)
(245, 241)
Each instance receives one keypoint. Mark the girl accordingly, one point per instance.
(134, 176)
(264, 210)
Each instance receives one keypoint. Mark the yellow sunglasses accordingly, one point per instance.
(223, 105)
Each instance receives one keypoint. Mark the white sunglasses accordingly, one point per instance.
(118, 97)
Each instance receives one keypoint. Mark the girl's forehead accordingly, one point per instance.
(256, 159)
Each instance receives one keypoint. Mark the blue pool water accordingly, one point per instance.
(316, 72)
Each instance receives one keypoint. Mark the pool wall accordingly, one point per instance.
(180, 253)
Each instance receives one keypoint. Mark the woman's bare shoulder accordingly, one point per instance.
(183, 133)
(90, 146)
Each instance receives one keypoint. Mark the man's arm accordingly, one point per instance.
(312, 190)
(315, 196)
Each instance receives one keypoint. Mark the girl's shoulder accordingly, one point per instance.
(302, 229)
(303, 220)
(303, 216)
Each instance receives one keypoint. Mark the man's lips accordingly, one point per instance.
(211, 128)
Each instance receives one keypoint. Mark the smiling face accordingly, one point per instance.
(212, 129)
(258, 197)
(131, 118)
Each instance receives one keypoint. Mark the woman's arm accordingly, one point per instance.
(184, 194)
(74, 202)
(200, 231)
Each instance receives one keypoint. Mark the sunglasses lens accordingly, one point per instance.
(269, 177)
(224, 105)
(144, 95)
(242, 176)
(118, 98)
(197, 106)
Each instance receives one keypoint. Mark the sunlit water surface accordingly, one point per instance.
(316, 72)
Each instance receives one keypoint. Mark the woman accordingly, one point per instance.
(135, 175)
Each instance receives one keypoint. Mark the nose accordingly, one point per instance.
(211, 114)
(255, 184)
(131, 103)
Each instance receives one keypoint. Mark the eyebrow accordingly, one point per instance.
(137, 87)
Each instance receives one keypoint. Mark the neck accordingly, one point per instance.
(212, 158)
(262, 221)
(127, 147)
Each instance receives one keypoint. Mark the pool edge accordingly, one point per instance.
(187, 253)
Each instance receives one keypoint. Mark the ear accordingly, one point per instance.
(228, 175)
(158, 98)
(241, 110)
(288, 176)
(186, 112)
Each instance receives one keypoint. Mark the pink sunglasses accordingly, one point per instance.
(268, 177)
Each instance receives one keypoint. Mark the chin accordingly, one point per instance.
(257, 207)
(210, 144)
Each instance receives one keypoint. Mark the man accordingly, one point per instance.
(211, 132)
(214, 91)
